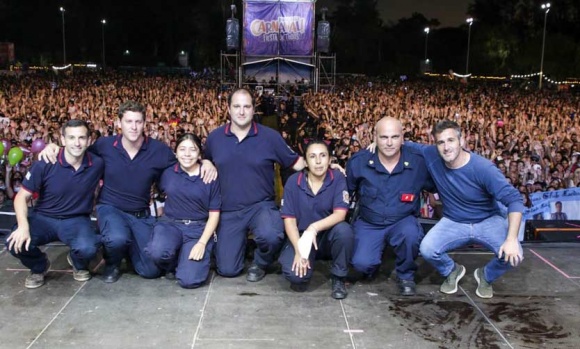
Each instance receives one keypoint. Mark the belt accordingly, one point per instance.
(139, 214)
(189, 221)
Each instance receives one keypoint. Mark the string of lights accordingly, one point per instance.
(513, 76)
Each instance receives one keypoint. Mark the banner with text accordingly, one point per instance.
(560, 205)
(555, 205)
(274, 28)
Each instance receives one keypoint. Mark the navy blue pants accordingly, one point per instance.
(369, 243)
(265, 222)
(170, 247)
(123, 233)
(76, 232)
(335, 244)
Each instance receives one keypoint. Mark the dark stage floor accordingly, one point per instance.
(535, 306)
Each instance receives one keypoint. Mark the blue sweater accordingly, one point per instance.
(471, 193)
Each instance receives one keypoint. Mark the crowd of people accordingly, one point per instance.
(35, 106)
(530, 136)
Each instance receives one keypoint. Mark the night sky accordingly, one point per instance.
(451, 13)
(155, 34)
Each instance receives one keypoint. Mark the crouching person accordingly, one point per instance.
(66, 192)
(315, 206)
(182, 240)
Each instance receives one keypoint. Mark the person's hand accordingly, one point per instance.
(208, 171)
(197, 251)
(338, 167)
(567, 174)
(49, 153)
(300, 265)
(18, 239)
(372, 147)
(510, 252)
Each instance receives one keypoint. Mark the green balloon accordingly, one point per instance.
(1, 148)
(15, 155)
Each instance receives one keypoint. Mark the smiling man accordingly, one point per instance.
(389, 184)
(244, 153)
(66, 192)
(470, 188)
(133, 163)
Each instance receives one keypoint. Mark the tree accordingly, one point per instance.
(356, 36)
(405, 43)
(512, 31)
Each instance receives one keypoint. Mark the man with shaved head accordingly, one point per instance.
(388, 184)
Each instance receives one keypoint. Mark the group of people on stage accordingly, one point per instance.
(213, 201)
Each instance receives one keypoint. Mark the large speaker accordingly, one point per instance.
(323, 37)
(232, 34)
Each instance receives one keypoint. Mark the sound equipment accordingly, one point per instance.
(323, 37)
(232, 34)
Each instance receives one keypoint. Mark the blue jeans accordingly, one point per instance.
(370, 241)
(77, 232)
(170, 247)
(124, 233)
(264, 221)
(447, 235)
(335, 244)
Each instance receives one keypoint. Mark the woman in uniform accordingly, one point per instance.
(183, 238)
(315, 205)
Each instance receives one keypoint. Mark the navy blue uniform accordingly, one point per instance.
(187, 207)
(306, 207)
(389, 207)
(62, 212)
(246, 176)
(123, 209)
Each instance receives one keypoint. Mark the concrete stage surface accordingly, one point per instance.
(535, 306)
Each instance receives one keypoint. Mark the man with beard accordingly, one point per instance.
(470, 188)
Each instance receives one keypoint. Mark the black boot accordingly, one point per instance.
(407, 287)
(338, 288)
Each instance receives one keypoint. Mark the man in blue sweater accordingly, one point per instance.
(470, 188)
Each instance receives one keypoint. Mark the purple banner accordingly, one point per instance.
(278, 28)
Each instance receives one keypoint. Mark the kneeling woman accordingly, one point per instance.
(316, 202)
(183, 239)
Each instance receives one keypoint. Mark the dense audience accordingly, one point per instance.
(532, 136)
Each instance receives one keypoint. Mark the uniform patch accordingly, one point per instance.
(345, 196)
(28, 175)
